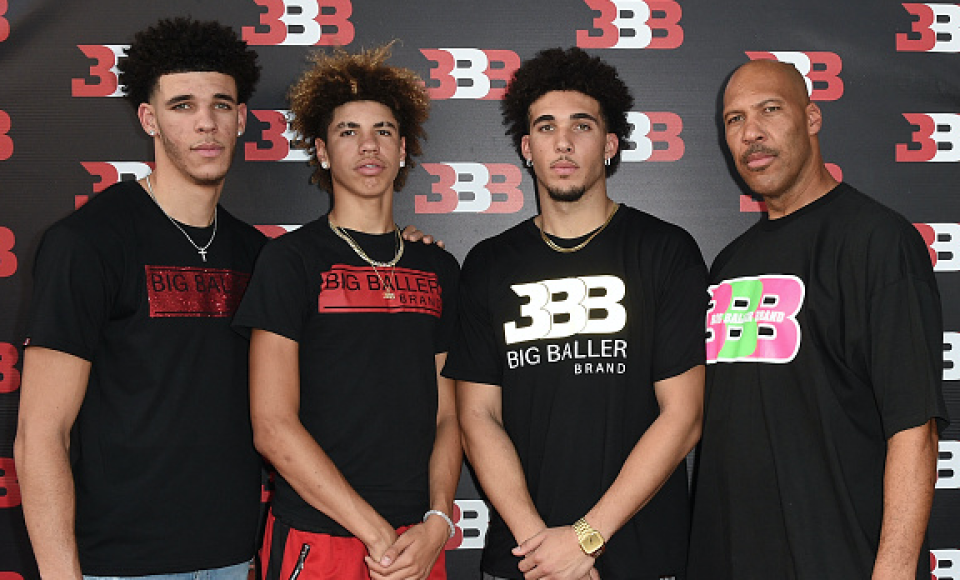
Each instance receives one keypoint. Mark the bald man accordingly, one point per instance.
(824, 351)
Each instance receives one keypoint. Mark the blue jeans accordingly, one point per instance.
(235, 572)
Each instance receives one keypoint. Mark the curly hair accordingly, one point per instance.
(183, 45)
(341, 77)
(556, 69)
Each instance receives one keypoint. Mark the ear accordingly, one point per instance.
(148, 120)
(242, 118)
(612, 145)
(814, 119)
(525, 147)
(403, 148)
(321, 149)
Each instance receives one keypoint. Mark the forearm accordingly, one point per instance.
(909, 479)
(297, 457)
(445, 462)
(500, 474)
(655, 456)
(49, 505)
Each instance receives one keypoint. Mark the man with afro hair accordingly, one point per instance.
(349, 329)
(134, 448)
(580, 352)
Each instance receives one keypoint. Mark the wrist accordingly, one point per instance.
(591, 541)
(451, 529)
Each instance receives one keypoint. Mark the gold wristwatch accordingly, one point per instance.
(591, 542)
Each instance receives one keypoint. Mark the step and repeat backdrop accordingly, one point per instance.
(886, 75)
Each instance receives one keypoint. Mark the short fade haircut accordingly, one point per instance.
(182, 45)
(556, 69)
(339, 78)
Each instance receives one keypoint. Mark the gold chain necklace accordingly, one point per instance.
(557, 248)
(343, 235)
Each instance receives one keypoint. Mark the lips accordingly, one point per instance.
(370, 167)
(208, 149)
(758, 158)
(564, 167)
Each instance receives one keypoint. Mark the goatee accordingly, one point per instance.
(566, 195)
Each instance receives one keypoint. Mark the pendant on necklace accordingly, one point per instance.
(203, 254)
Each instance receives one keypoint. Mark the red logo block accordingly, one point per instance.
(9, 485)
(633, 24)
(935, 29)
(104, 70)
(472, 188)
(470, 73)
(301, 23)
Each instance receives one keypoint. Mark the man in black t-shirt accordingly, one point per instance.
(349, 328)
(579, 354)
(824, 351)
(134, 448)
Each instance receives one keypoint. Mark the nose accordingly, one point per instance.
(564, 143)
(752, 130)
(369, 143)
(206, 120)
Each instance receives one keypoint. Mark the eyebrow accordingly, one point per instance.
(217, 97)
(355, 125)
(575, 116)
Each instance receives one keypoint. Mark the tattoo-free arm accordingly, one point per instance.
(53, 387)
(909, 479)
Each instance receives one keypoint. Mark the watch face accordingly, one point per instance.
(592, 542)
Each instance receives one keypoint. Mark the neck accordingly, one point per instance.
(804, 193)
(370, 216)
(574, 219)
(188, 203)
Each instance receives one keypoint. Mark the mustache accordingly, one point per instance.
(757, 148)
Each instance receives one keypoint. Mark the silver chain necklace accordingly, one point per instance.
(200, 250)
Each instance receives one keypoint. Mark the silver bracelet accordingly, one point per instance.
(446, 518)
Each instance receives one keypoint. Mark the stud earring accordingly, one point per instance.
(606, 161)
(529, 162)
(151, 132)
(403, 163)
(324, 164)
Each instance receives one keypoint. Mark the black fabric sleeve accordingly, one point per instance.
(681, 309)
(450, 282)
(474, 355)
(73, 293)
(276, 300)
(905, 335)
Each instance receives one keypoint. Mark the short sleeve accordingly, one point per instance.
(681, 306)
(473, 355)
(449, 272)
(73, 293)
(276, 298)
(906, 337)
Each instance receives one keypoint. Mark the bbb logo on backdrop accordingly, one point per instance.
(936, 28)
(633, 24)
(102, 78)
(820, 70)
(936, 138)
(111, 172)
(943, 244)
(275, 142)
(944, 564)
(471, 187)
(469, 73)
(302, 23)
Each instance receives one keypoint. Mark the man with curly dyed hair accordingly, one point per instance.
(349, 328)
(580, 349)
(134, 448)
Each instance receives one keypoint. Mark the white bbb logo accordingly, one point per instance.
(553, 317)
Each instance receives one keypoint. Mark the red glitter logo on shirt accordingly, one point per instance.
(365, 289)
(176, 291)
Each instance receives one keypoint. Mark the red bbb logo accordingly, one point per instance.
(9, 375)
(655, 137)
(4, 23)
(471, 517)
(633, 24)
(9, 485)
(943, 244)
(935, 139)
(6, 143)
(8, 260)
(275, 231)
(302, 23)
(277, 137)
(948, 559)
(821, 71)
(110, 172)
(935, 29)
(472, 188)
(104, 70)
(470, 73)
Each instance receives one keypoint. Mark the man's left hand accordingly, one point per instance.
(414, 553)
(555, 554)
(412, 234)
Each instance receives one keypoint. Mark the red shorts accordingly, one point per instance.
(328, 557)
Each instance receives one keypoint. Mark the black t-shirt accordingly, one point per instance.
(368, 384)
(576, 341)
(166, 476)
(824, 339)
